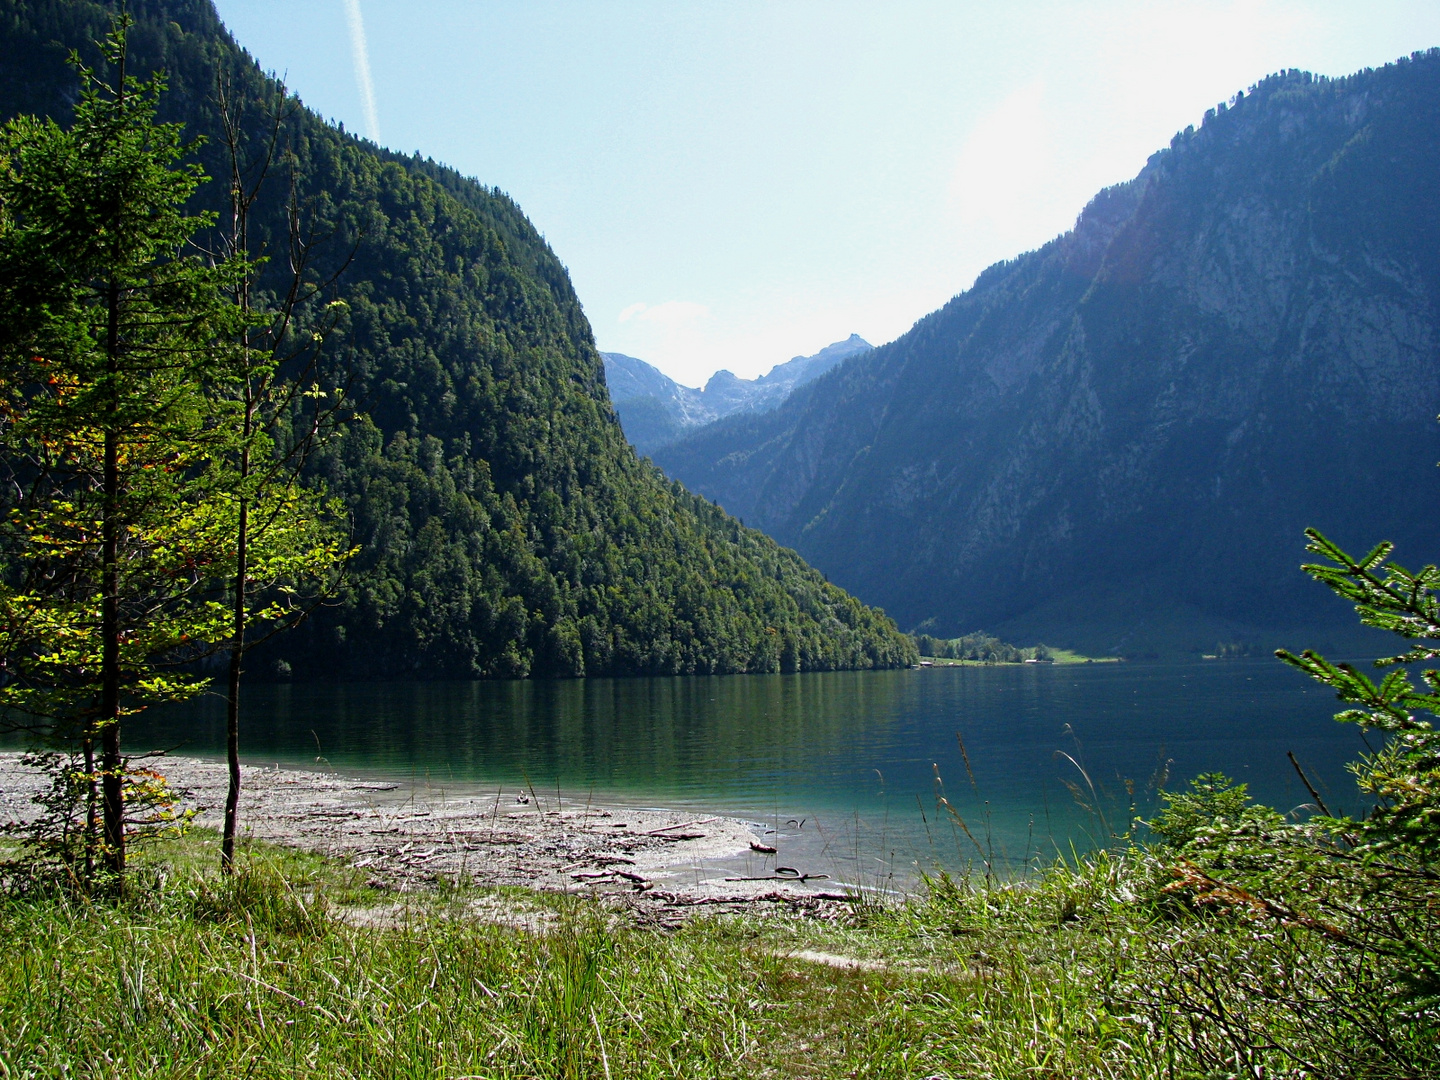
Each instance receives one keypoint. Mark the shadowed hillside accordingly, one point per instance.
(1115, 441)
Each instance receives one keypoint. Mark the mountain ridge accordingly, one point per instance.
(655, 410)
(1114, 442)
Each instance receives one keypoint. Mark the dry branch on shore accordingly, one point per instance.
(416, 835)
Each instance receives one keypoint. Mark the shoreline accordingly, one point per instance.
(1070, 660)
(418, 835)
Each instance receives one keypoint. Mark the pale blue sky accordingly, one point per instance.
(734, 183)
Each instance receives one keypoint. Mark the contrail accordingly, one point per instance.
(361, 53)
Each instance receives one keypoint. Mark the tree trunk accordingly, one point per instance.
(240, 208)
(111, 767)
(240, 244)
(87, 746)
(237, 655)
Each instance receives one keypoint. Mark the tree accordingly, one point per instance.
(1404, 775)
(1316, 950)
(118, 338)
(286, 553)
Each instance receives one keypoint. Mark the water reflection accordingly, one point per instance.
(1057, 755)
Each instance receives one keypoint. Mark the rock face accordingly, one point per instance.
(655, 410)
(1116, 440)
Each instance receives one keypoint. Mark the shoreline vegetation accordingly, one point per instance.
(987, 650)
(1057, 656)
(342, 946)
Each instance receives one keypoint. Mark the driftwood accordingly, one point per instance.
(409, 837)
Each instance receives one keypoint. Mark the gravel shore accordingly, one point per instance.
(409, 836)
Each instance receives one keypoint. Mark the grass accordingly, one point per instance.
(295, 969)
(266, 976)
(1057, 656)
(1067, 656)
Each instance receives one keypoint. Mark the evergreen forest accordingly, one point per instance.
(503, 527)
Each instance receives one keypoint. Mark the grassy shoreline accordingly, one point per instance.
(297, 969)
(1057, 656)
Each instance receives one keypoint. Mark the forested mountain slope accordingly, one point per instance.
(1116, 440)
(506, 528)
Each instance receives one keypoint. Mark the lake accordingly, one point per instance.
(845, 767)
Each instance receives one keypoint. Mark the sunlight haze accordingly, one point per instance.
(732, 185)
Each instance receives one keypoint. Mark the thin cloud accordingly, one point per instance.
(360, 51)
(670, 313)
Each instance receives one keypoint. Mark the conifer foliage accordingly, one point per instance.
(113, 336)
(122, 423)
(1317, 947)
(1403, 776)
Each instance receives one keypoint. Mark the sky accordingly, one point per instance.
(735, 183)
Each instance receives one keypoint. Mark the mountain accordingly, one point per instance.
(730, 394)
(506, 527)
(1114, 442)
(654, 409)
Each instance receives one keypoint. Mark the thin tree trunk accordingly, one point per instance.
(237, 655)
(87, 746)
(257, 405)
(111, 779)
(240, 240)
(111, 767)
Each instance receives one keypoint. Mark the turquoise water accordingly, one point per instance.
(843, 764)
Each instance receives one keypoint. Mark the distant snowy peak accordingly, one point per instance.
(655, 410)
